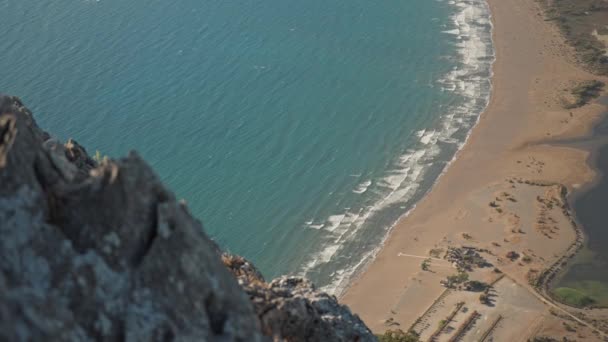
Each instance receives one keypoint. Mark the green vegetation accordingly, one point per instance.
(99, 158)
(476, 286)
(549, 339)
(543, 339)
(568, 327)
(459, 278)
(573, 297)
(436, 252)
(583, 293)
(585, 92)
(512, 255)
(445, 322)
(426, 264)
(398, 336)
(484, 299)
(578, 20)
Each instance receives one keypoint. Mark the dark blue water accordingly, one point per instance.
(298, 131)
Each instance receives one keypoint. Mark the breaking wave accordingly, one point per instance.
(353, 237)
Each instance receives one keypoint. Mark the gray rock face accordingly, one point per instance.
(291, 308)
(105, 252)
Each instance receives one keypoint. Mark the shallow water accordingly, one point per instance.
(588, 271)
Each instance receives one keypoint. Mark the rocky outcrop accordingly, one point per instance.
(291, 308)
(103, 251)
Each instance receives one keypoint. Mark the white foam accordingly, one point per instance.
(474, 47)
(427, 137)
(316, 226)
(334, 222)
(454, 32)
(362, 188)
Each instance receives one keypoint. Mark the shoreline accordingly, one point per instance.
(597, 145)
(435, 146)
(365, 262)
(592, 142)
(531, 71)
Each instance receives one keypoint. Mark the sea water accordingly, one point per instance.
(297, 131)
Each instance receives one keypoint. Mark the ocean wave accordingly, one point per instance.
(362, 188)
(471, 80)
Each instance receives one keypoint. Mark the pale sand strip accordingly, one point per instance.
(532, 70)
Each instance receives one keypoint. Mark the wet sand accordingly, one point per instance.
(505, 154)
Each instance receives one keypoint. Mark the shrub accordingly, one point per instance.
(543, 339)
(585, 92)
(476, 286)
(512, 255)
(398, 336)
(484, 298)
(459, 278)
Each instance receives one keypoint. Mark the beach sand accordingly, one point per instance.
(501, 193)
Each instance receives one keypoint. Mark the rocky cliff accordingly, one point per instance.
(103, 251)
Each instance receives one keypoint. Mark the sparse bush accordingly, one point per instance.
(512, 255)
(459, 278)
(576, 20)
(585, 92)
(484, 298)
(569, 327)
(398, 336)
(99, 158)
(542, 339)
(476, 286)
(436, 252)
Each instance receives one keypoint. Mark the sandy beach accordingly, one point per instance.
(502, 193)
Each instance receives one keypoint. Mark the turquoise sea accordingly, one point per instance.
(298, 131)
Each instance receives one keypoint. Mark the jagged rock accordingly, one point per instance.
(104, 257)
(291, 308)
(105, 252)
(79, 157)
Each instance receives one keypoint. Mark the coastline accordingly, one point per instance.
(533, 67)
(588, 216)
(414, 171)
